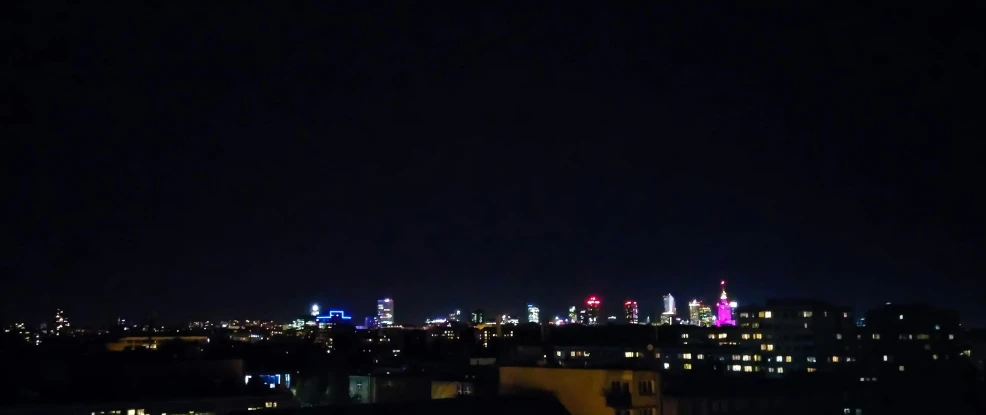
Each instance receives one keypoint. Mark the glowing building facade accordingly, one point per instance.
(630, 312)
(693, 316)
(61, 325)
(592, 310)
(573, 316)
(385, 312)
(669, 305)
(724, 312)
(533, 314)
(705, 316)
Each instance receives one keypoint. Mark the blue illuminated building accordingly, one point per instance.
(334, 316)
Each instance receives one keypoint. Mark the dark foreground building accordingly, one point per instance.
(540, 404)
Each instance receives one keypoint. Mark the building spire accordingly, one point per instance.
(722, 285)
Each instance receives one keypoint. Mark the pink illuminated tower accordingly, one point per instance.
(724, 313)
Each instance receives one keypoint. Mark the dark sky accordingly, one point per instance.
(207, 161)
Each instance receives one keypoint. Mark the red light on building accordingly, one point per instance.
(592, 301)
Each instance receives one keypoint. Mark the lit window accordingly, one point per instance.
(806, 314)
(688, 366)
(767, 314)
(700, 356)
(934, 357)
(838, 336)
(876, 336)
(737, 357)
(811, 359)
(835, 359)
(780, 370)
(558, 353)
(744, 315)
(770, 370)
(937, 327)
(951, 337)
(760, 314)
(767, 347)
(900, 368)
(811, 370)
(756, 358)
(901, 317)
(757, 336)
(667, 366)
(923, 337)
(737, 368)
(684, 335)
(586, 354)
(572, 353)
(845, 314)
(687, 356)
(780, 359)
(787, 359)
(885, 358)
(745, 336)
(747, 368)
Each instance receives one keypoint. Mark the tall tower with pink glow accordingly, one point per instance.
(724, 313)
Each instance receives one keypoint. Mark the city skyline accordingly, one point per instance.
(475, 163)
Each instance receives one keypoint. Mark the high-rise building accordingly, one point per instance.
(573, 316)
(533, 314)
(592, 310)
(455, 315)
(669, 305)
(61, 324)
(724, 312)
(385, 312)
(693, 316)
(705, 316)
(630, 312)
(477, 317)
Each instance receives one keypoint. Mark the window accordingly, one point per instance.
(645, 387)
(811, 359)
(767, 314)
(780, 370)
(688, 366)
(756, 358)
(745, 336)
(746, 358)
(951, 337)
(845, 410)
(835, 359)
(937, 327)
(806, 314)
(684, 335)
(787, 359)
(901, 317)
(923, 337)
(780, 359)
(737, 357)
(811, 370)
(737, 368)
(760, 314)
(900, 368)
(770, 370)
(767, 347)
(744, 315)
(838, 336)
(934, 357)
(876, 336)
(572, 353)
(631, 354)
(757, 336)
(667, 366)
(886, 358)
(845, 314)
(687, 356)
(748, 368)
(586, 354)
(700, 356)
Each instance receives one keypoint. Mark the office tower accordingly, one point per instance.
(385, 312)
(573, 316)
(455, 315)
(477, 317)
(533, 314)
(669, 305)
(630, 312)
(693, 316)
(724, 313)
(705, 316)
(592, 310)
(61, 325)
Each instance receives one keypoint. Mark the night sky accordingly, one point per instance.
(205, 162)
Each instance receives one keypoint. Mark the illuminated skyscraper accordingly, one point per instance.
(573, 316)
(61, 324)
(669, 305)
(630, 312)
(705, 316)
(724, 313)
(592, 310)
(385, 312)
(533, 314)
(693, 316)
(478, 317)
